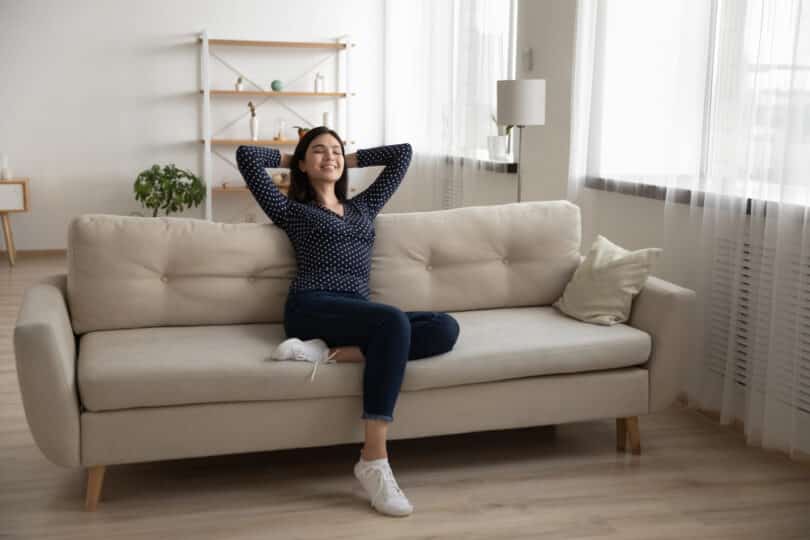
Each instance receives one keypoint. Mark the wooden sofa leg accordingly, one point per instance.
(627, 428)
(95, 479)
(621, 434)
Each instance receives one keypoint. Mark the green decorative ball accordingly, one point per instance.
(276, 85)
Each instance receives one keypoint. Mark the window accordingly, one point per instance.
(652, 85)
(710, 96)
(442, 61)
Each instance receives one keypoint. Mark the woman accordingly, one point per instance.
(328, 303)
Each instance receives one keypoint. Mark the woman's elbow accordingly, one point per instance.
(243, 153)
(407, 151)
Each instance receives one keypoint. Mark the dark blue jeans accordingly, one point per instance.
(388, 337)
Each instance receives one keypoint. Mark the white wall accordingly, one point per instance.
(93, 92)
(547, 27)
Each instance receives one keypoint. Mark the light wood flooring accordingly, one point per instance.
(694, 479)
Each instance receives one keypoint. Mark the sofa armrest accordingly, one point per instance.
(45, 353)
(664, 310)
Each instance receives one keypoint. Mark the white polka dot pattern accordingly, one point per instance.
(333, 252)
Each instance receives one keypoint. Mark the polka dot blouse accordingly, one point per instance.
(333, 252)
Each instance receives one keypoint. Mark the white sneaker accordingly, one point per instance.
(312, 350)
(378, 480)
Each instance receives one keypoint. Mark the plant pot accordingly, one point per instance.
(254, 128)
(497, 147)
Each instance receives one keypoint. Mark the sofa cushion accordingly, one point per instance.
(152, 367)
(129, 272)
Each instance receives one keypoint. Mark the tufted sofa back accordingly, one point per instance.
(132, 272)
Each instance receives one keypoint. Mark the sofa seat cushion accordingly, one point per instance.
(182, 365)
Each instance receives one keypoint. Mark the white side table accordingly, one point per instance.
(13, 198)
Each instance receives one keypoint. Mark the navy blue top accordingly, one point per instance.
(333, 252)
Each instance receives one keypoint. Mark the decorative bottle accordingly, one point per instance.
(5, 172)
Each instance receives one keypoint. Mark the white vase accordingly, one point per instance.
(254, 128)
(5, 172)
(497, 147)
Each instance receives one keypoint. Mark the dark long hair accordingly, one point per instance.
(300, 187)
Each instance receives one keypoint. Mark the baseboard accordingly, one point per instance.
(35, 252)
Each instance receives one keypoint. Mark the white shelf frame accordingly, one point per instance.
(342, 109)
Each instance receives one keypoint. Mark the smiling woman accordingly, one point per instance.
(328, 303)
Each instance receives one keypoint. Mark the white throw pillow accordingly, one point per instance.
(602, 288)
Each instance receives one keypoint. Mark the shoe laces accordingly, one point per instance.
(329, 360)
(385, 477)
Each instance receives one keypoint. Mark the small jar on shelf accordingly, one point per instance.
(319, 82)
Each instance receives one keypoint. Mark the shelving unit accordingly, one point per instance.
(274, 94)
(341, 48)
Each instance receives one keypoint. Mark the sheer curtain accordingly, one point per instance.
(442, 61)
(705, 106)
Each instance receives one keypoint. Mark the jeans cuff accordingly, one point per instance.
(385, 417)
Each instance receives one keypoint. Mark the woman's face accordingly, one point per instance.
(323, 160)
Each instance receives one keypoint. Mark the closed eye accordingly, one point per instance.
(319, 147)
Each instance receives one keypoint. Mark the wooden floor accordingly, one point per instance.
(693, 480)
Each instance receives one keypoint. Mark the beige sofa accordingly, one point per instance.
(154, 345)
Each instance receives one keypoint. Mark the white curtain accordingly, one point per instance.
(705, 105)
(442, 61)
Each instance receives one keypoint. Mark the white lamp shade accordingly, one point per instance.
(522, 102)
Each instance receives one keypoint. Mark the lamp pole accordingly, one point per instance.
(519, 165)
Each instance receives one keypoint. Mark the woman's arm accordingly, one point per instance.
(396, 158)
(252, 162)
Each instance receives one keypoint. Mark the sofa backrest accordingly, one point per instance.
(133, 272)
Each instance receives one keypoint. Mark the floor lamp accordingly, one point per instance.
(521, 103)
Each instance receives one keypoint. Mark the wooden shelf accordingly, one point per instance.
(229, 188)
(262, 142)
(251, 142)
(281, 44)
(272, 93)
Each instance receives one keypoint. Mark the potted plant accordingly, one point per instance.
(239, 84)
(301, 131)
(498, 145)
(254, 122)
(169, 188)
